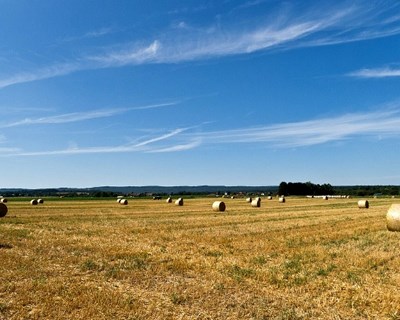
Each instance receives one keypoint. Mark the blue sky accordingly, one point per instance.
(199, 92)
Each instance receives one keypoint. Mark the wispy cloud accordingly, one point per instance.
(77, 151)
(286, 29)
(179, 147)
(64, 118)
(313, 132)
(163, 137)
(137, 55)
(385, 72)
(250, 4)
(90, 34)
(317, 25)
(6, 150)
(82, 116)
(361, 22)
(378, 125)
(55, 70)
(217, 43)
(12, 110)
(144, 146)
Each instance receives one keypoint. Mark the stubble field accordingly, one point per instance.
(96, 259)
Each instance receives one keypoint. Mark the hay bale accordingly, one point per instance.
(393, 218)
(256, 203)
(169, 200)
(3, 200)
(119, 200)
(124, 202)
(269, 197)
(249, 200)
(363, 204)
(218, 206)
(325, 197)
(40, 201)
(179, 202)
(282, 199)
(3, 210)
(34, 202)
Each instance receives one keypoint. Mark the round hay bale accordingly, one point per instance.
(233, 197)
(3, 200)
(124, 202)
(256, 203)
(3, 210)
(393, 218)
(169, 200)
(249, 200)
(40, 201)
(269, 197)
(218, 206)
(325, 197)
(282, 199)
(179, 202)
(363, 204)
(119, 200)
(34, 202)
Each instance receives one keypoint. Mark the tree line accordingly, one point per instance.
(302, 189)
(284, 188)
(308, 188)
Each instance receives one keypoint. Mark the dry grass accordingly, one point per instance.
(308, 259)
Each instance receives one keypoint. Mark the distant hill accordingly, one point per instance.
(188, 189)
(205, 189)
(109, 191)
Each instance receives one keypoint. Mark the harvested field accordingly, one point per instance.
(149, 260)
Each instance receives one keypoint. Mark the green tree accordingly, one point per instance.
(283, 189)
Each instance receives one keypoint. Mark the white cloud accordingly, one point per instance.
(137, 55)
(91, 34)
(250, 4)
(181, 25)
(6, 150)
(379, 124)
(376, 73)
(285, 29)
(64, 118)
(179, 147)
(98, 33)
(40, 74)
(206, 44)
(82, 116)
(144, 146)
(313, 132)
(160, 138)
